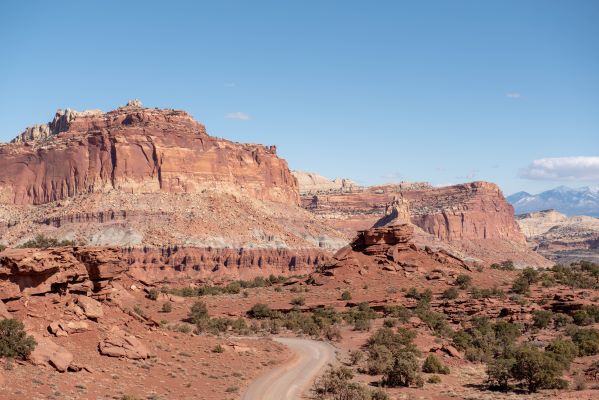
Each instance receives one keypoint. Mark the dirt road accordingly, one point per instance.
(291, 380)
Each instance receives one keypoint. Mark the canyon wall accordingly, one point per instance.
(474, 218)
(93, 270)
(135, 150)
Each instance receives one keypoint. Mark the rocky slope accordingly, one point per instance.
(311, 183)
(141, 176)
(562, 238)
(473, 218)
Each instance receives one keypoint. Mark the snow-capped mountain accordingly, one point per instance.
(579, 201)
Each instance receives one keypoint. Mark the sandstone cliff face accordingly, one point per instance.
(135, 150)
(474, 217)
(138, 176)
(91, 270)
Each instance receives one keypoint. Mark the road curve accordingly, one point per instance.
(289, 381)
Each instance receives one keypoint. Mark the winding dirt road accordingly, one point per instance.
(289, 381)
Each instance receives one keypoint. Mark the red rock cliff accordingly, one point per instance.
(135, 150)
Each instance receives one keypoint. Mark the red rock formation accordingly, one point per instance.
(90, 270)
(473, 217)
(136, 150)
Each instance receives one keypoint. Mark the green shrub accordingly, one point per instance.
(563, 351)
(43, 242)
(298, 301)
(198, 312)
(167, 307)
(153, 294)
(355, 356)
(14, 341)
(499, 372)
(218, 349)
(486, 293)
(399, 312)
(379, 360)
(536, 369)
(346, 296)
(336, 384)
(560, 320)
(260, 311)
(450, 294)
(504, 266)
(403, 372)
(463, 281)
(434, 379)
(432, 365)
(541, 318)
(587, 341)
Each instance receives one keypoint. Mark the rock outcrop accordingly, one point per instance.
(91, 270)
(311, 183)
(135, 150)
(78, 270)
(150, 177)
(387, 249)
(47, 352)
(474, 217)
(118, 343)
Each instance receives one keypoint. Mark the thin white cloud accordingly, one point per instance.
(238, 115)
(513, 95)
(230, 84)
(563, 169)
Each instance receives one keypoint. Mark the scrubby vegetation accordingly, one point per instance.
(337, 384)
(14, 341)
(234, 287)
(43, 242)
(507, 265)
(432, 365)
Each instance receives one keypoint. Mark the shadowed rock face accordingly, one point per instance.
(135, 150)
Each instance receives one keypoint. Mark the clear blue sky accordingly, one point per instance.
(378, 91)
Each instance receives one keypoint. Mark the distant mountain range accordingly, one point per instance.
(579, 201)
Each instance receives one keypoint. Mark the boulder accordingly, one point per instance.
(62, 328)
(120, 344)
(91, 308)
(47, 352)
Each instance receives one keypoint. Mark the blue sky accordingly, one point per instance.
(378, 91)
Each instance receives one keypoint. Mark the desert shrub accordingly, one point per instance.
(139, 311)
(360, 316)
(198, 312)
(379, 360)
(399, 312)
(423, 297)
(403, 372)
(521, 285)
(2, 247)
(485, 293)
(260, 311)
(434, 379)
(336, 384)
(14, 341)
(563, 351)
(43, 242)
(240, 326)
(450, 294)
(298, 301)
(435, 321)
(485, 340)
(504, 266)
(167, 307)
(153, 294)
(390, 322)
(355, 357)
(432, 365)
(581, 275)
(536, 369)
(346, 296)
(499, 372)
(560, 320)
(463, 281)
(587, 341)
(541, 318)
(582, 318)
(218, 349)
